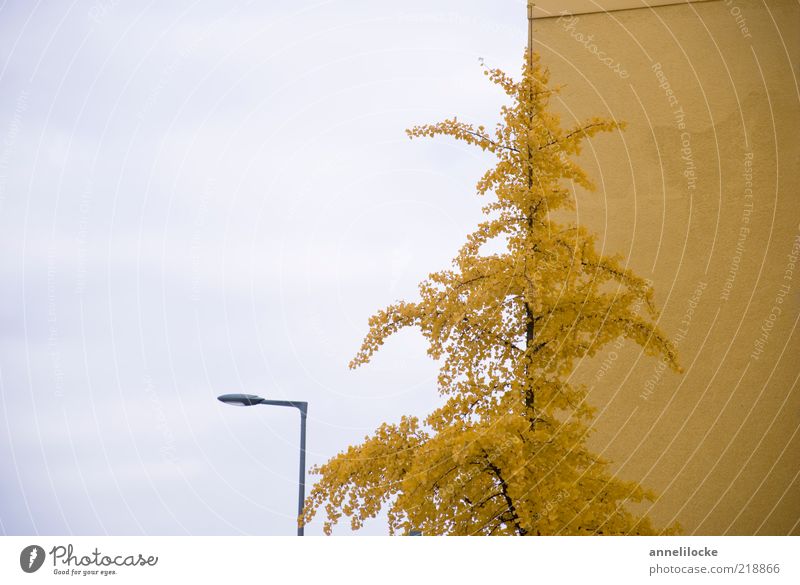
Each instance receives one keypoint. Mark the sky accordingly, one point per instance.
(199, 198)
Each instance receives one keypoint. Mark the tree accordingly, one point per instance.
(506, 453)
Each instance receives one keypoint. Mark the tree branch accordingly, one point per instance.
(489, 140)
(509, 502)
(580, 130)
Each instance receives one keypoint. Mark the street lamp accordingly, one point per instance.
(252, 400)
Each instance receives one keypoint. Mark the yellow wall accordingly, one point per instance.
(719, 442)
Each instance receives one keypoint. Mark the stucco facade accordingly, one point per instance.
(700, 194)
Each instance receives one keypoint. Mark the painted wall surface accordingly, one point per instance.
(700, 194)
(547, 8)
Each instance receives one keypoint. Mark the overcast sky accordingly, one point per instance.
(207, 197)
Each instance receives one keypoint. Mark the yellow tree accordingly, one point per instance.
(506, 452)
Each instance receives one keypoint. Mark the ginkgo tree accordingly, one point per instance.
(506, 453)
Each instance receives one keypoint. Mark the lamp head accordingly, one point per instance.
(240, 399)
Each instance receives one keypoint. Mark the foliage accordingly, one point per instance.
(506, 453)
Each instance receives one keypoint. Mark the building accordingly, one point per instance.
(700, 194)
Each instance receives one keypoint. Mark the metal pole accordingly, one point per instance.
(251, 400)
(301, 488)
(303, 407)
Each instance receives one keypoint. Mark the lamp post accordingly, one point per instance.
(252, 400)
